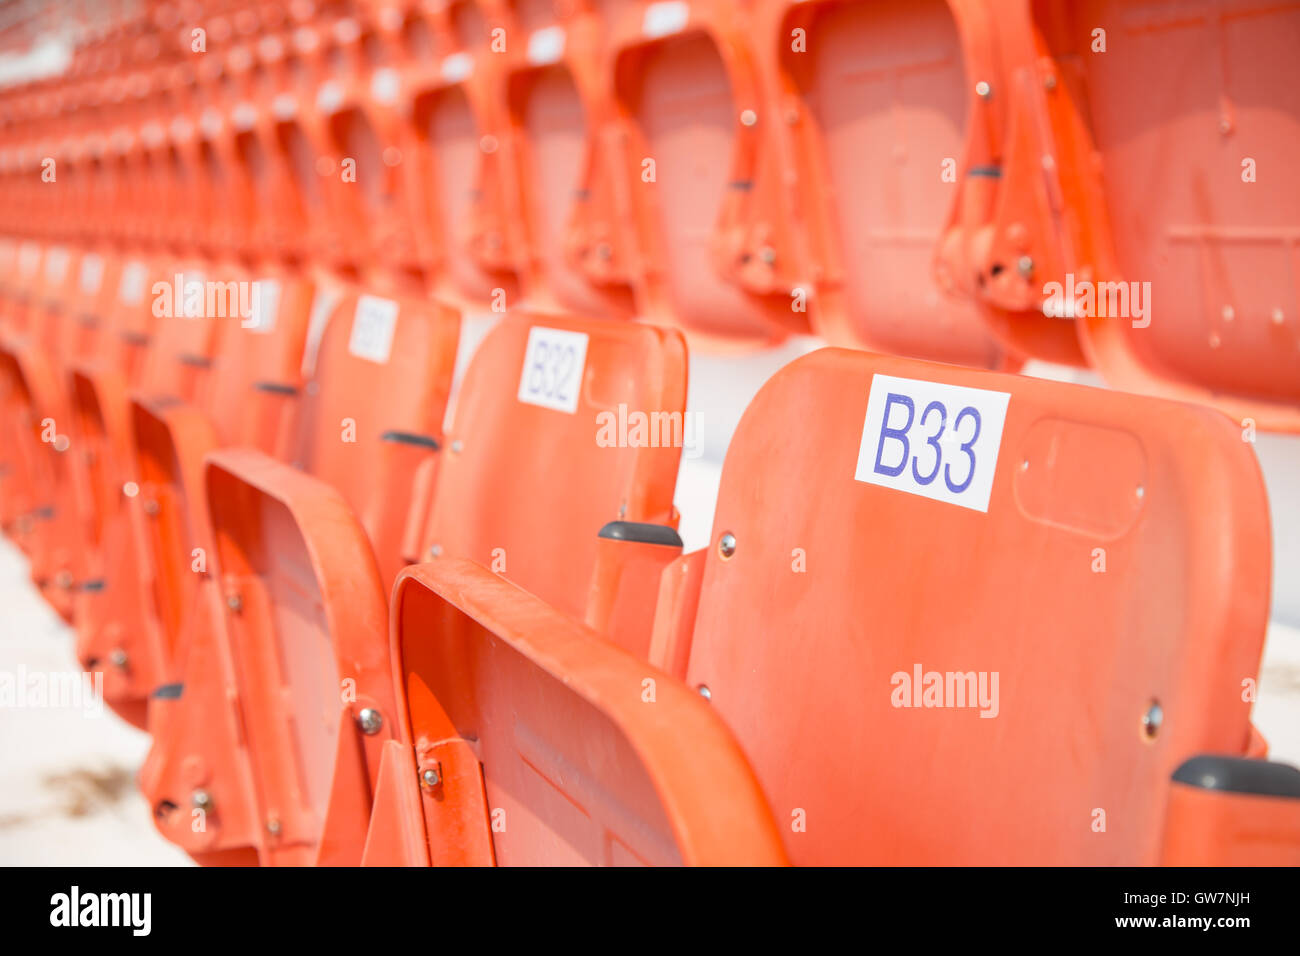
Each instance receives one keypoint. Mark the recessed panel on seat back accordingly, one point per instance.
(967, 615)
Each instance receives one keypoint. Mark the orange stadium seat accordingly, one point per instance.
(66, 332)
(1147, 526)
(369, 428)
(1148, 531)
(878, 113)
(531, 740)
(696, 176)
(457, 159)
(177, 357)
(1190, 260)
(558, 129)
(248, 401)
(28, 384)
(315, 752)
(344, 352)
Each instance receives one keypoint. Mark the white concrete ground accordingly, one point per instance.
(67, 774)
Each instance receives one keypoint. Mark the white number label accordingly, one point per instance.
(329, 97)
(554, 363)
(56, 265)
(546, 45)
(372, 328)
(456, 67)
(661, 19)
(284, 106)
(934, 440)
(131, 289)
(265, 306)
(385, 85)
(29, 257)
(92, 273)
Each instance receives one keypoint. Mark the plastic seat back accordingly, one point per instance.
(175, 327)
(538, 464)
(309, 551)
(880, 102)
(119, 361)
(696, 159)
(8, 277)
(1198, 301)
(41, 358)
(257, 369)
(310, 604)
(182, 307)
(130, 319)
(381, 380)
(248, 400)
(558, 119)
(562, 425)
(459, 151)
(96, 280)
(365, 110)
(302, 194)
(34, 358)
(957, 616)
(26, 280)
(51, 301)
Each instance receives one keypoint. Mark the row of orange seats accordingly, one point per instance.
(973, 182)
(557, 681)
(945, 615)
